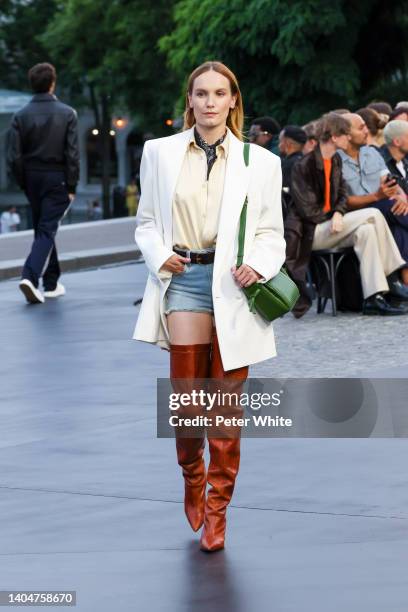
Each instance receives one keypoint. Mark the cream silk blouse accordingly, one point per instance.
(197, 201)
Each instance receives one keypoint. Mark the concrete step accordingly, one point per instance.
(80, 245)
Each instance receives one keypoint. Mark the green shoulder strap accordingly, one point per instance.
(242, 219)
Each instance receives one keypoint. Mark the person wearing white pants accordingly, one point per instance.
(319, 194)
(367, 231)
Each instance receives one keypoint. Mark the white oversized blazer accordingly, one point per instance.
(244, 338)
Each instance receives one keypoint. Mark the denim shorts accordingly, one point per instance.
(191, 290)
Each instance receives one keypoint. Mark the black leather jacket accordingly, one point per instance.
(44, 136)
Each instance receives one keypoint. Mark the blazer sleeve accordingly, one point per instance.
(268, 251)
(148, 233)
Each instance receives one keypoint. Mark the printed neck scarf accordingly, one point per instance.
(210, 150)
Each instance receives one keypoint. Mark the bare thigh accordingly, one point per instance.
(190, 327)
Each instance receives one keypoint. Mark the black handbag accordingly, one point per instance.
(277, 296)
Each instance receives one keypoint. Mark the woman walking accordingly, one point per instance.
(193, 188)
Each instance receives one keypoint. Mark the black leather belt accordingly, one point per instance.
(195, 256)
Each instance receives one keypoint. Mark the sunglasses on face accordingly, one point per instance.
(255, 131)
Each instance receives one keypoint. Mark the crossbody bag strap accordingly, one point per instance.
(242, 218)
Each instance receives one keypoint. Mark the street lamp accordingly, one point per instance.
(120, 123)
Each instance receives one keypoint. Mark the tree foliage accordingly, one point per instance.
(295, 59)
(80, 38)
(21, 25)
(148, 87)
(112, 47)
(108, 51)
(109, 46)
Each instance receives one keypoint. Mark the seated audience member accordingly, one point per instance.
(383, 108)
(375, 125)
(264, 131)
(311, 142)
(400, 113)
(320, 197)
(341, 111)
(395, 151)
(370, 186)
(292, 139)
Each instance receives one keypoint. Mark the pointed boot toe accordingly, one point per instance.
(194, 505)
(213, 536)
(189, 364)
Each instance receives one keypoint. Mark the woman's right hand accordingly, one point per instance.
(175, 264)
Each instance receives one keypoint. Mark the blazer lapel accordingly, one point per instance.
(170, 160)
(235, 191)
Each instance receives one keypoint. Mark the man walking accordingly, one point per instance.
(292, 139)
(44, 159)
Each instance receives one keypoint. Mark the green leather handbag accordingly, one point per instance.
(277, 296)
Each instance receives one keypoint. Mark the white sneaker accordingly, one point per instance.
(33, 295)
(57, 292)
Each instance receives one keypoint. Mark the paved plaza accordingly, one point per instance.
(92, 501)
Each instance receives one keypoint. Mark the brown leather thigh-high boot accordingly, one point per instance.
(188, 363)
(224, 460)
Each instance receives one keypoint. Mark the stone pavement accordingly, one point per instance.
(80, 245)
(344, 346)
(92, 501)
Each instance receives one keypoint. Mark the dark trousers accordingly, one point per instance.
(398, 225)
(299, 235)
(48, 196)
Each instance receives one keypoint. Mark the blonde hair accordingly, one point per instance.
(235, 119)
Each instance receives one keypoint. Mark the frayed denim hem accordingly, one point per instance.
(166, 312)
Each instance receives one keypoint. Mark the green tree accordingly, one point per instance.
(295, 60)
(21, 26)
(109, 56)
(80, 38)
(148, 87)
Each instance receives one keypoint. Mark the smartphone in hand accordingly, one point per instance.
(391, 179)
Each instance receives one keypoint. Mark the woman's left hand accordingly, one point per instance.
(245, 276)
